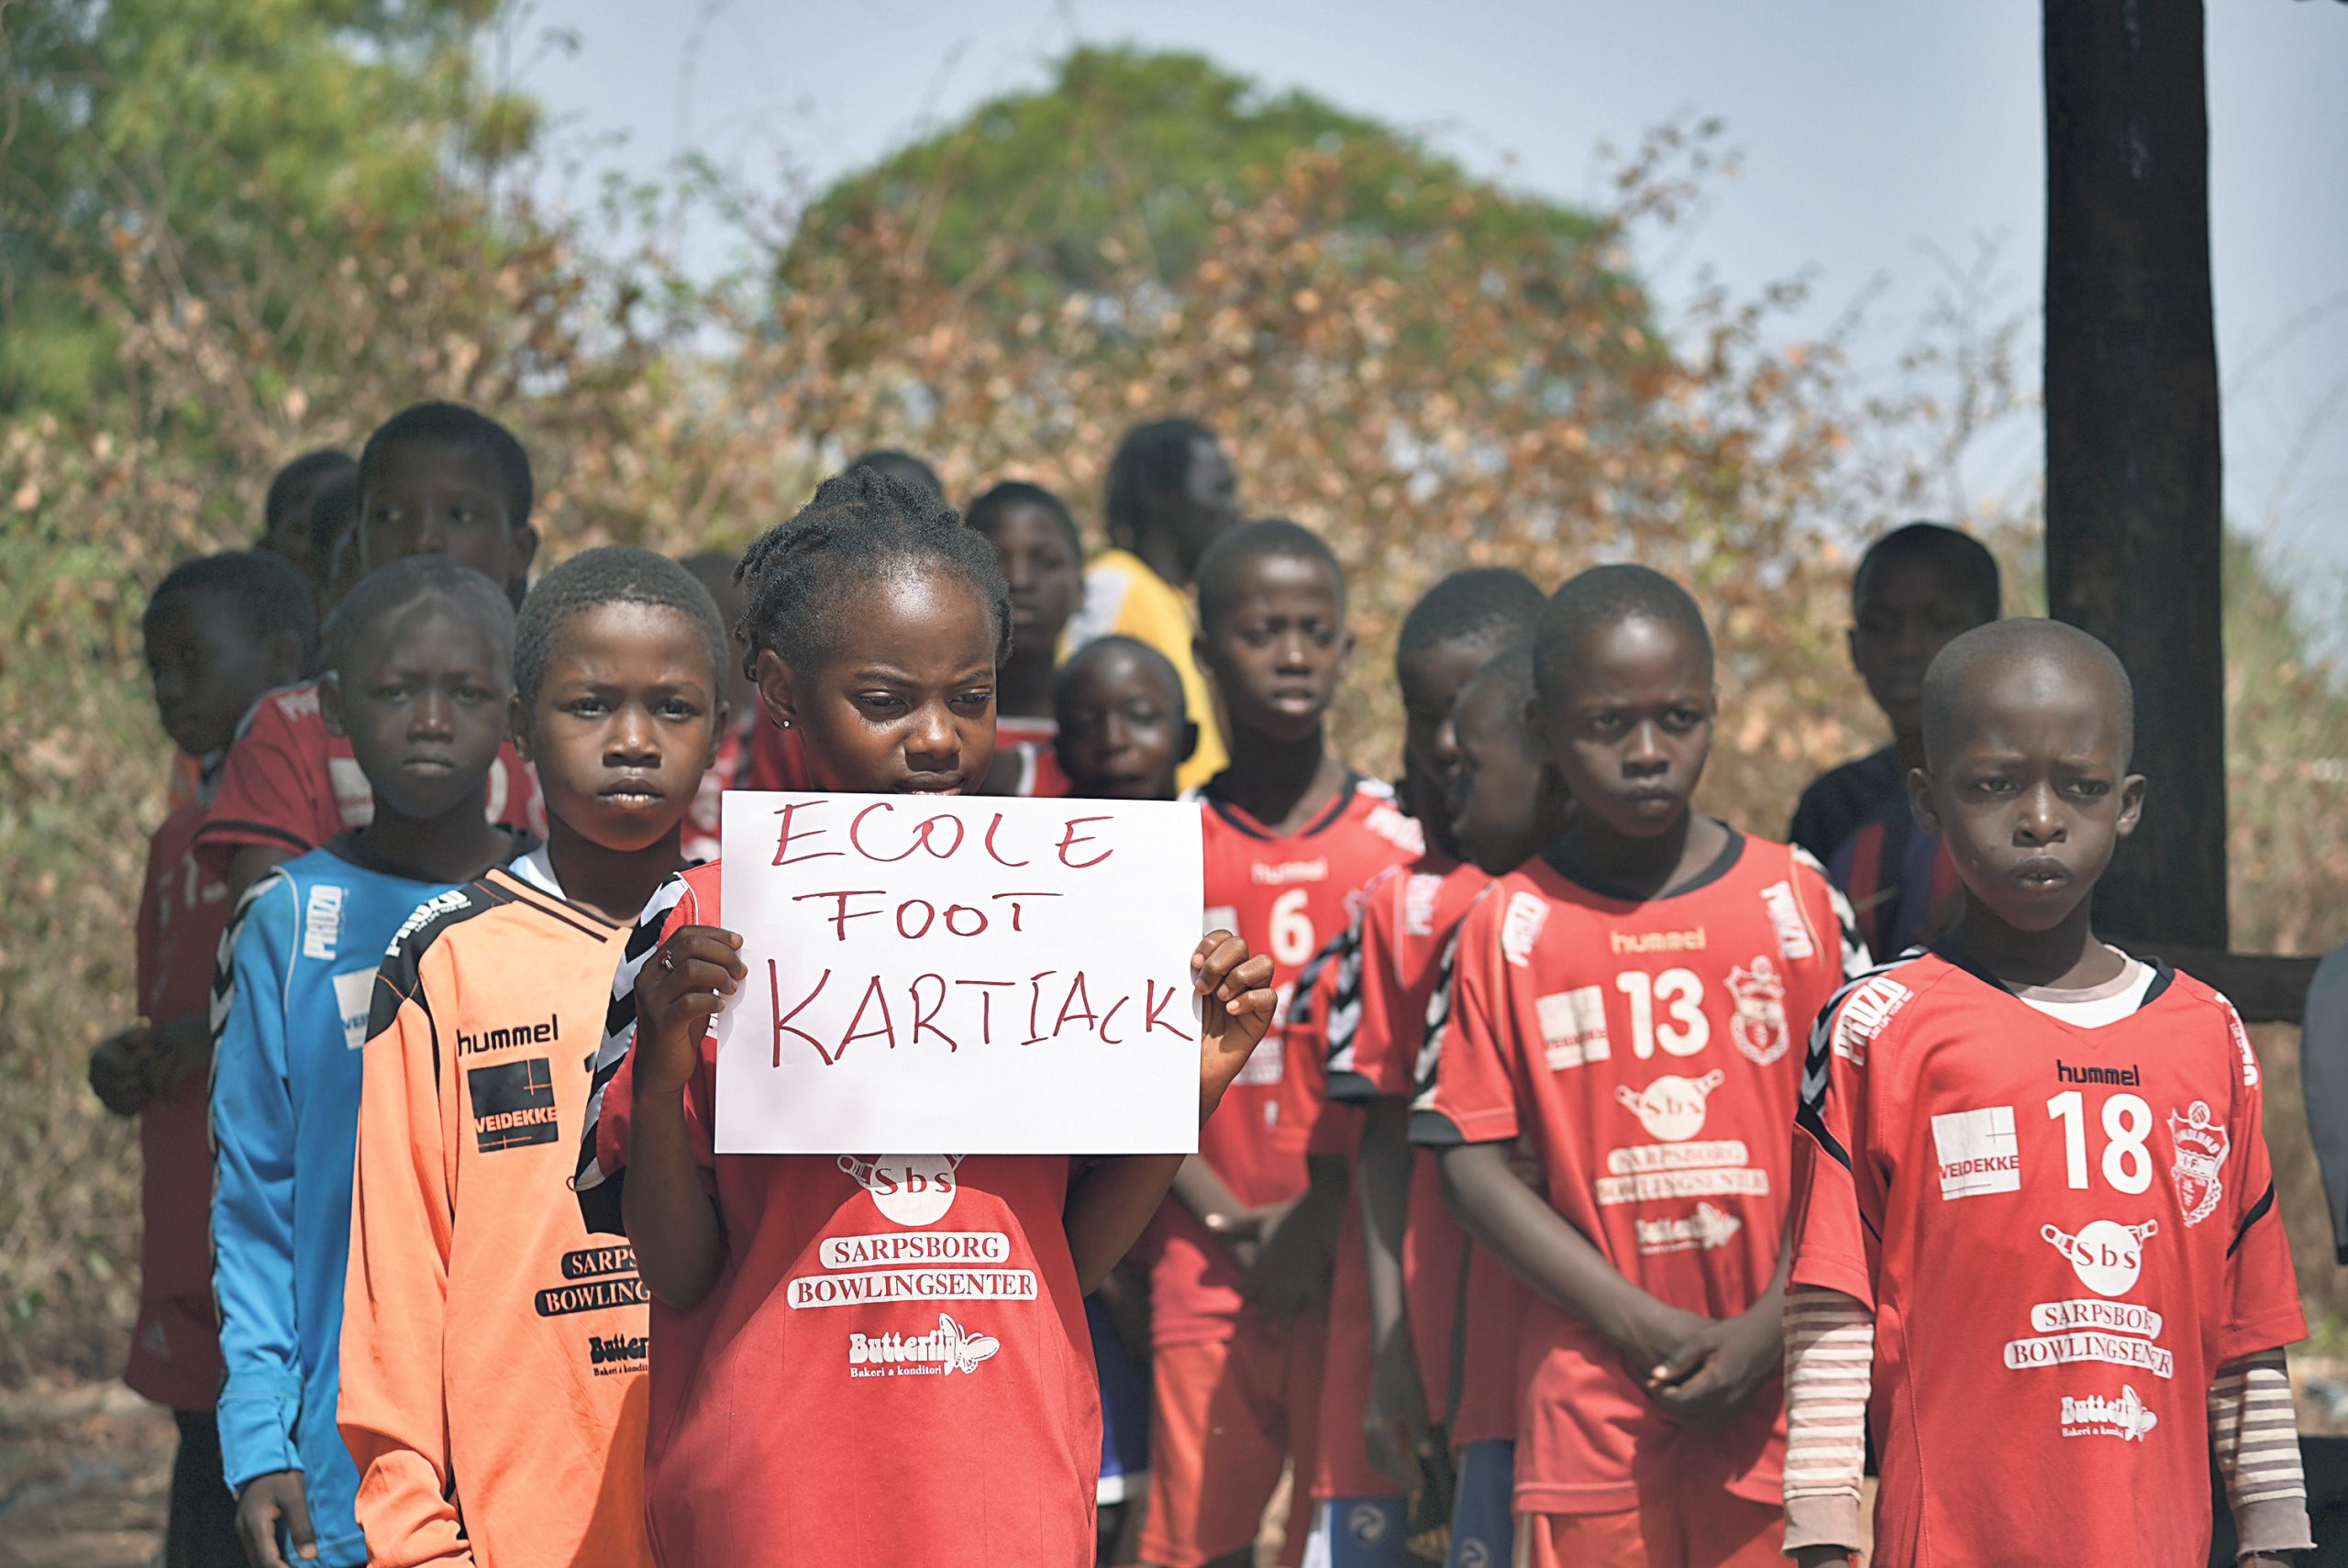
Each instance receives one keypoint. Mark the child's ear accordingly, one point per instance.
(719, 718)
(1190, 748)
(778, 689)
(1927, 812)
(1344, 655)
(2132, 804)
(1850, 645)
(525, 550)
(517, 727)
(330, 704)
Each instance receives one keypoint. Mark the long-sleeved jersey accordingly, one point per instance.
(494, 1353)
(289, 1014)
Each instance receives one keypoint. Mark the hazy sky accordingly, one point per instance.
(1873, 135)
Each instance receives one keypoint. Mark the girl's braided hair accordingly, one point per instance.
(862, 527)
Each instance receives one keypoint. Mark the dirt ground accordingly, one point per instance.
(84, 1477)
(85, 1471)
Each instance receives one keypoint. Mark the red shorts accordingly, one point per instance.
(1227, 1415)
(1674, 1530)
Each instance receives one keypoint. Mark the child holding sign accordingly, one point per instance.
(472, 1280)
(875, 625)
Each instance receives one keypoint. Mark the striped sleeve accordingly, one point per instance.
(1829, 1363)
(2254, 1436)
(600, 1170)
(1855, 959)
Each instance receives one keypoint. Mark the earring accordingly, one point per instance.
(786, 723)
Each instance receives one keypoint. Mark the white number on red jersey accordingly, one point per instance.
(2127, 1125)
(1685, 1030)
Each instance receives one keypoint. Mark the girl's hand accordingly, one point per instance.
(677, 991)
(1235, 1008)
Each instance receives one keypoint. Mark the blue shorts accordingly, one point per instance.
(1125, 1411)
(1358, 1533)
(1483, 1519)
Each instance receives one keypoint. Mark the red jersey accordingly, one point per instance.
(702, 817)
(2063, 1232)
(1646, 1050)
(893, 1366)
(288, 783)
(175, 1347)
(1286, 896)
(1324, 1009)
(1407, 931)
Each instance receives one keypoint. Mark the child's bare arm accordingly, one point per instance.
(1538, 1245)
(1711, 1378)
(1395, 1419)
(1108, 1208)
(671, 1221)
(1289, 1278)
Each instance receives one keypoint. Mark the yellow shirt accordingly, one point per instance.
(1124, 597)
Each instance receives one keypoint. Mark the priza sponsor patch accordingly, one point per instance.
(513, 1104)
(1573, 1027)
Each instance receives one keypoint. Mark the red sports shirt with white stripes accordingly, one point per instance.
(1649, 1052)
(2063, 1233)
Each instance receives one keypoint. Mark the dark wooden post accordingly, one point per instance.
(2133, 465)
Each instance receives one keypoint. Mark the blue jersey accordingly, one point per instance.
(289, 1015)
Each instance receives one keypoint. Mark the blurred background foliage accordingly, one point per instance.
(232, 230)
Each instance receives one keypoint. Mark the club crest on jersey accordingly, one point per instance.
(2106, 1254)
(911, 1189)
(1759, 1027)
(1671, 1108)
(2200, 1145)
(1521, 927)
(1366, 1522)
(2126, 1417)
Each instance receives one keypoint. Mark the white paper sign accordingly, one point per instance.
(984, 975)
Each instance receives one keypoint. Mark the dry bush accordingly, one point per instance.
(1425, 407)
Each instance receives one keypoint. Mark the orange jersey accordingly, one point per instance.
(493, 1351)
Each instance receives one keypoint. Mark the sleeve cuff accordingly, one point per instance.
(1822, 1521)
(1441, 1130)
(1841, 1274)
(2279, 1524)
(257, 1435)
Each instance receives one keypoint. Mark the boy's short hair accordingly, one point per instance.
(1607, 596)
(403, 583)
(1485, 605)
(1152, 459)
(1267, 539)
(903, 467)
(309, 471)
(613, 574)
(981, 513)
(2024, 640)
(269, 595)
(334, 510)
(1158, 664)
(454, 424)
(1959, 554)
